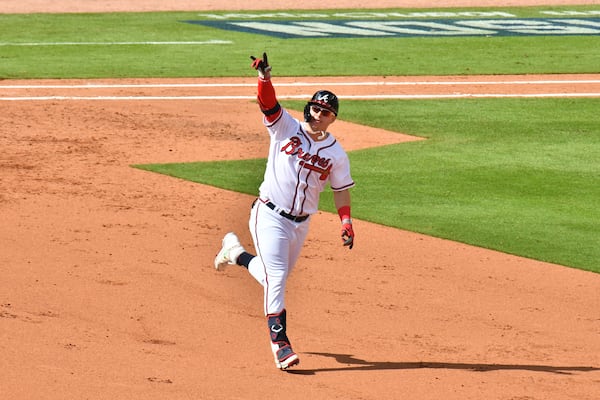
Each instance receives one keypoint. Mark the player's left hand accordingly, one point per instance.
(262, 66)
(347, 233)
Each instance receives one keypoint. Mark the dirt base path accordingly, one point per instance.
(108, 290)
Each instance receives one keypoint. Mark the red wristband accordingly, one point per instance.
(344, 212)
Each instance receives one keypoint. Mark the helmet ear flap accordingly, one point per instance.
(307, 116)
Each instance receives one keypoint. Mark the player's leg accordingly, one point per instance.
(283, 354)
(272, 237)
(270, 267)
(299, 233)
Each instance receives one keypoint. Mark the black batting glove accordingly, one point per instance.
(262, 66)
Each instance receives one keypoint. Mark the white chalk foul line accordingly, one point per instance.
(172, 43)
(132, 86)
(291, 97)
(294, 84)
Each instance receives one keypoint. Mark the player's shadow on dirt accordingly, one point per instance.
(356, 364)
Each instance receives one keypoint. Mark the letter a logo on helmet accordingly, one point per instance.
(322, 98)
(326, 99)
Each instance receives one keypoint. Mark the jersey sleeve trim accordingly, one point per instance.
(339, 189)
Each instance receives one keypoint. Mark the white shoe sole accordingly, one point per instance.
(288, 362)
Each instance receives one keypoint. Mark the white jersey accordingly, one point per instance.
(299, 167)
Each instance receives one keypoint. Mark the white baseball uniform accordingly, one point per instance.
(297, 171)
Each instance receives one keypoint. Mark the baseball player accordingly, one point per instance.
(303, 158)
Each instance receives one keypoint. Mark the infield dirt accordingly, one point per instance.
(108, 289)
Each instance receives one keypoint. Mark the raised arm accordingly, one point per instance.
(267, 100)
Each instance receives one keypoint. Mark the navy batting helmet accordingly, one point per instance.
(325, 99)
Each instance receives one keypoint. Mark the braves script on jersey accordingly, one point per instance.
(298, 167)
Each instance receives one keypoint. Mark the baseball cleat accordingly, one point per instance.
(230, 251)
(284, 355)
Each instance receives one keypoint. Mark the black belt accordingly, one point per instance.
(286, 215)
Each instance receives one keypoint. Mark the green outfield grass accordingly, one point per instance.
(292, 57)
(516, 175)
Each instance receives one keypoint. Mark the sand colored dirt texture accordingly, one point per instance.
(108, 289)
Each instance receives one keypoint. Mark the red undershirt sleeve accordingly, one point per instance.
(267, 100)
